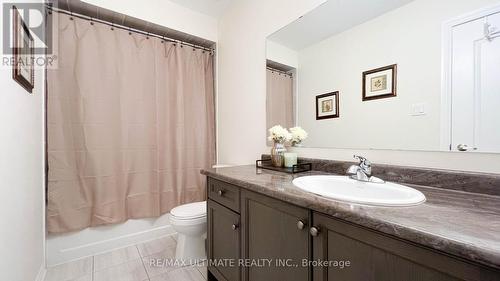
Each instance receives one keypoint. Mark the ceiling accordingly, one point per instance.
(213, 8)
(332, 17)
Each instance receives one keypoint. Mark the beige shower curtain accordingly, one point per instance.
(279, 101)
(130, 122)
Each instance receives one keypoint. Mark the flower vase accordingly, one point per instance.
(277, 154)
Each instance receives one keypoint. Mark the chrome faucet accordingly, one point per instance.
(362, 171)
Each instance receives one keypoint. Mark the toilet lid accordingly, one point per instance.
(190, 211)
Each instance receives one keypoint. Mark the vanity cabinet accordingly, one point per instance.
(375, 256)
(255, 228)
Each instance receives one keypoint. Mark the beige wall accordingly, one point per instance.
(22, 203)
(241, 74)
(242, 91)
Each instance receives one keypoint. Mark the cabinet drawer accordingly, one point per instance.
(224, 193)
(223, 242)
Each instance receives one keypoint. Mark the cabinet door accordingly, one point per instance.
(277, 231)
(374, 256)
(223, 242)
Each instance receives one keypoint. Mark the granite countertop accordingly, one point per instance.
(460, 223)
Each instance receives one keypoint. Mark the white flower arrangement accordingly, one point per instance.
(279, 134)
(298, 135)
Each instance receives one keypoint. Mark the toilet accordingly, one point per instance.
(190, 222)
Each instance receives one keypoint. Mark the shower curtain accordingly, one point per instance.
(279, 100)
(130, 122)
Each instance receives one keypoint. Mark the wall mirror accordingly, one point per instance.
(407, 75)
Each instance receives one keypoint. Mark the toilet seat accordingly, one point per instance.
(188, 222)
(191, 211)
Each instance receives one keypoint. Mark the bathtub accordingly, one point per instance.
(70, 246)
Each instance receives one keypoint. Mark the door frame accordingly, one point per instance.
(446, 69)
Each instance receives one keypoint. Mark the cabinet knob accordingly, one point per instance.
(314, 231)
(220, 192)
(300, 225)
(234, 226)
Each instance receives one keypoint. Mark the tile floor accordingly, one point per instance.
(132, 263)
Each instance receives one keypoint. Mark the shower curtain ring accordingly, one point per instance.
(91, 21)
(71, 16)
(112, 26)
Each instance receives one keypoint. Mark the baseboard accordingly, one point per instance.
(92, 241)
(41, 273)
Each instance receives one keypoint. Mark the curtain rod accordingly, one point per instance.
(279, 71)
(114, 25)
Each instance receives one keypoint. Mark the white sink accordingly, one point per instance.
(346, 189)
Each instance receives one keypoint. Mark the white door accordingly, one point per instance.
(475, 99)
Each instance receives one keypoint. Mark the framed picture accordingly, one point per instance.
(380, 83)
(23, 50)
(327, 106)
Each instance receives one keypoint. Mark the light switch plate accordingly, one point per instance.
(418, 109)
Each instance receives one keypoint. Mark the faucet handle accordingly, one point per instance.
(364, 163)
(362, 160)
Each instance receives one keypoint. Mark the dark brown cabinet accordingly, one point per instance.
(373, 256)
(268, 239)
(223, 241)
(275, 236)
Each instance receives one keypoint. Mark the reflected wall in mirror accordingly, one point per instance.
(448, 59)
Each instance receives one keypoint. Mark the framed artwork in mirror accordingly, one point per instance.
(327, 106)
(23, 51)
(380, 83)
